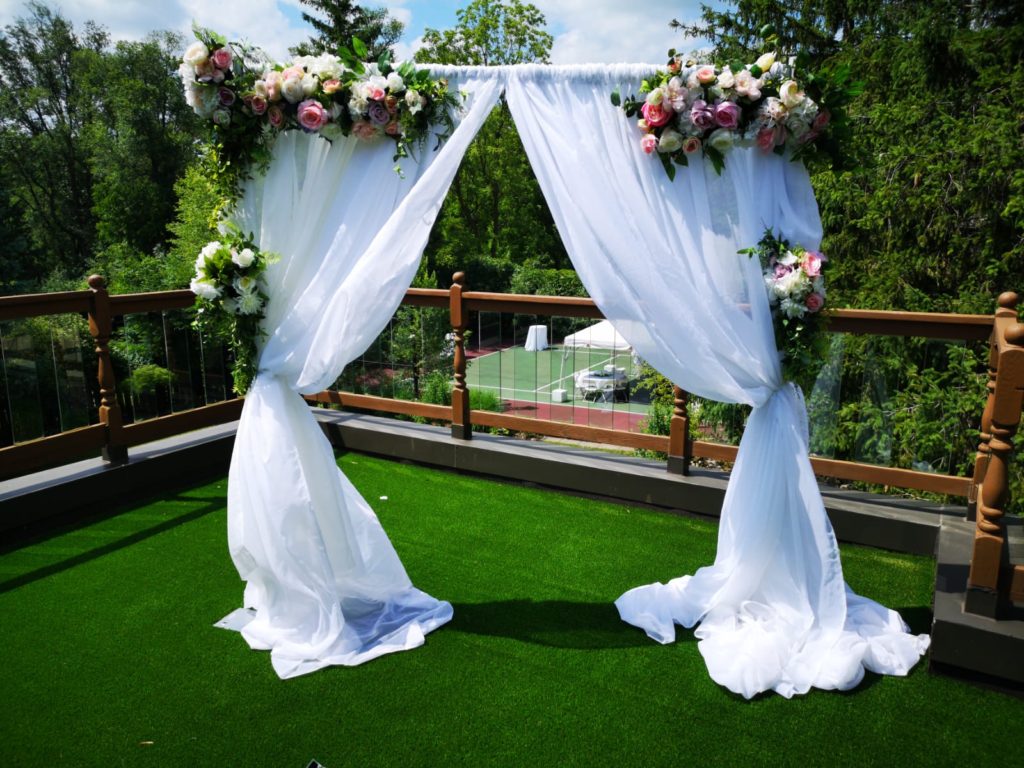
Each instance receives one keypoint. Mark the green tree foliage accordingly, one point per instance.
(495, 216)
(336, 22)
(92, 139)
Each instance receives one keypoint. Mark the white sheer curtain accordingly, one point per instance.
(324, 584)
(660, 260)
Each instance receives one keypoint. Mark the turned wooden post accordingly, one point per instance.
(462, 427)
(100, 326)
(680, 445)
(989, 578)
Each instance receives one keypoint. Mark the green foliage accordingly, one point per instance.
(495, 215)
(201, 198)
(337, 22)
(527, 278)
(146, 379)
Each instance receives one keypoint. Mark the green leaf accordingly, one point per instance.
(716, 158)
(616, 97)
(670, 170)
(360, 48)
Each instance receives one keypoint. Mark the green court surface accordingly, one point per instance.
(517, 375)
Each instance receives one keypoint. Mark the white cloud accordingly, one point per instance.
(610, 31)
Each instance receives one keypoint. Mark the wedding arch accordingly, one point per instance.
(660, 257)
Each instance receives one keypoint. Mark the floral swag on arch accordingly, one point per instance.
(667, 257)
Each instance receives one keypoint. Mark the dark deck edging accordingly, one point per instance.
(889, 523)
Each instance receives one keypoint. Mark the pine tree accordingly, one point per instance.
(336, 22)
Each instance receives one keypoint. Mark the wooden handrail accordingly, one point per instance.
(37, 304)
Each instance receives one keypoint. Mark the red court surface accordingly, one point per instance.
(599, 416)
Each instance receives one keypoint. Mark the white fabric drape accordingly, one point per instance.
(323, 581)
(660, 260)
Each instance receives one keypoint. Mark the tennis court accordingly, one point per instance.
(525, 382)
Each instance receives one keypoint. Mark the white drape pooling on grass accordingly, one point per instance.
(660, 260)
(323, 581)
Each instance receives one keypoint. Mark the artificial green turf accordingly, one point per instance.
(110, 656)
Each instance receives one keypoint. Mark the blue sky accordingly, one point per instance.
(599, 31)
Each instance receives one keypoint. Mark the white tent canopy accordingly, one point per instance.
(601, 335)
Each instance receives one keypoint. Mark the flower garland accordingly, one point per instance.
(248, 100)
(794, 279)
(231, 296)
(707, 109)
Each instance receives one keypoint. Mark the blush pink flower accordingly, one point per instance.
(649, 143)
(656, 115)
(691, 145)
(727, 114)
(702, 114)
(258, 105)
(272, 80)
(393, 129)
(276, 116)
(814, 302)
(364, 130)
(221, 58)
(311, 115)
(766, 139)
(332, 86)
(706, 75)
(811, 263)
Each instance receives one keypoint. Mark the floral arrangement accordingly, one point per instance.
(795, 283)
(230, 292)
(249, 99)
(688, 109)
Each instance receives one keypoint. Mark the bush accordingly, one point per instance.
(147, 378)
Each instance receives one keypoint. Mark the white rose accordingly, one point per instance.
(309, 85)
(726, 79)
(243, 258)
(202, 98)
(204, 289)
(670, 141)
(790, 94)
(376, 81)
(721, 139)
(396, 83)
(747, 85)
(765, 61)
(211, 248)
(260, 89)
(196, 54)
(245, 285)
(328, 67)
(293, 90)
(788, 259)
(412, 100)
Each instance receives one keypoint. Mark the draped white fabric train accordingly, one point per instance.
(324, 581)
(660, 260)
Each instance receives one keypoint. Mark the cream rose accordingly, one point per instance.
(790, 94)
(196, 54)
(765, 61)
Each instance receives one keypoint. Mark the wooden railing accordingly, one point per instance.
(111, 437)
(992, 579)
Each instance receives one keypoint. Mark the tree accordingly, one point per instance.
(495, 215)
(43, 114)
(336, 22)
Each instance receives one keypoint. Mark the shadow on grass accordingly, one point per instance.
(552, 623)
(113, 546)
(917, 617)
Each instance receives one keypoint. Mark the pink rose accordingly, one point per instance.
(312, 116)
(727, 114)
(332, 86)
(821, 120)
(702, 114)
(225, 96)
(258, 104)
(706, 75)
(811, 263)
(364, 130)
(656, 115)
(276, 116)
(375, 92)
(691, 145)
(814, 302)
(221, 58)
(649, 143)
(273, 82)
(766, 139)
(291, 72)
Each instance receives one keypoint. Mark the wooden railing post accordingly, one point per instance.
(462, 428)
(989, 578)
(680, 445)
(101, 326)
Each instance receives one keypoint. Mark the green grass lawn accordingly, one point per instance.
(110, 656)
